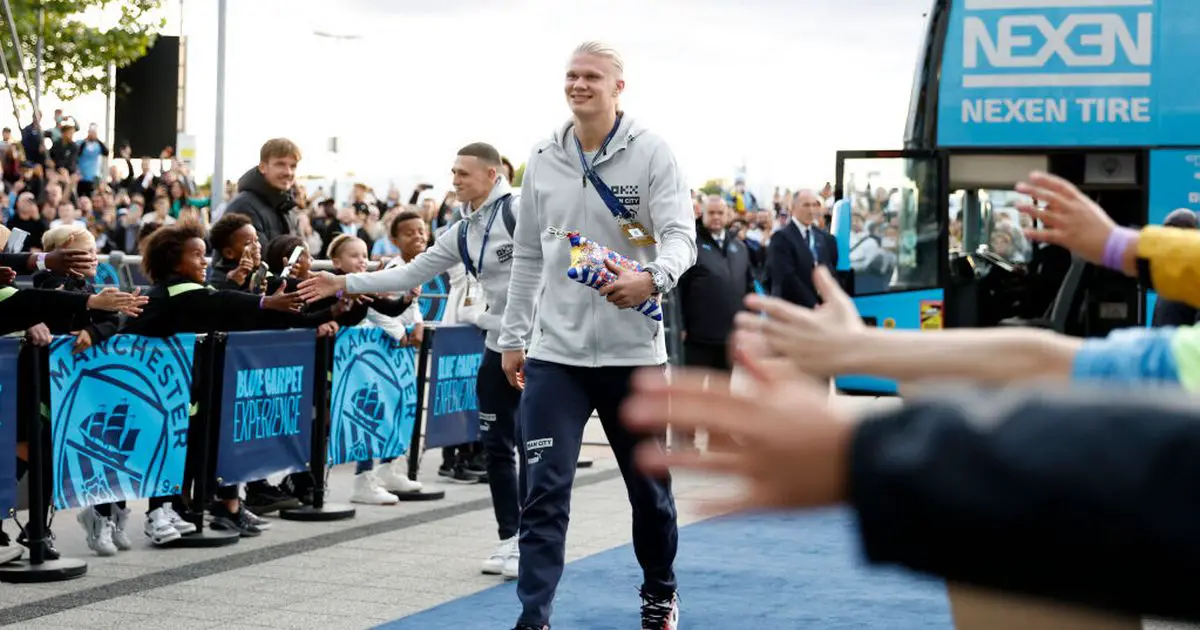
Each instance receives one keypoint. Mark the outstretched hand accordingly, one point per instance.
(787, 444)
(320, 286)
(814, 339)
(1070, 219)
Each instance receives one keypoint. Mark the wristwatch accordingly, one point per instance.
(659, 278)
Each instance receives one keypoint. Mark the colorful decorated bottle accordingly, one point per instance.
(587, 267)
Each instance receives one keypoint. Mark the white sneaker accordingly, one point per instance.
(394, 479)
(512, 562)
(660, 613)
(183, 527)
(159, 528)
(367, 491)
(494, 565)
(512, 566)
(10, 553)
(98, 530)
(120, 520)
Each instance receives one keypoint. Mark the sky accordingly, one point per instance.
(779, 85)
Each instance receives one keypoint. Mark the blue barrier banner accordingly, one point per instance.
(9, 349)
(119, 418)
(433, 309)
(373, 405)
(266, 404)
(453, 410)
(1045, 73)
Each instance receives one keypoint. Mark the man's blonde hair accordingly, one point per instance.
(278, 148)
(600, 49)
(73, 233)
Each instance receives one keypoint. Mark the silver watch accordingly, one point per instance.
(659, 278)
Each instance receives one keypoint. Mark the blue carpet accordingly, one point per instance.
(771, 572)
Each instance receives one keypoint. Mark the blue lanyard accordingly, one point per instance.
(590, 169)
(618, 209)
(487, 232)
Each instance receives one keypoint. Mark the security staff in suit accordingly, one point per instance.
(797, 249)
(711, 293)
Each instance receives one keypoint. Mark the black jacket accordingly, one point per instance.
(206, 310)
(711, 291)
(58, 310)
(1088, 496)
(790, 264)
(101, 324)
(267, 208)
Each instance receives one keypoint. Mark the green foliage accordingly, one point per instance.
(713, 187)
(76, 53)
(518, 176)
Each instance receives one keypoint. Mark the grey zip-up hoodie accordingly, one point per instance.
(575, 325)
(497, 261)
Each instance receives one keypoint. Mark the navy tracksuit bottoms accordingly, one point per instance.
(498, 404)
(556, 405)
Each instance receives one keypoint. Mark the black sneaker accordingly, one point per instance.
(660, 613)
(223, 519)
(458, 474)
(267, 498)
(299, 488)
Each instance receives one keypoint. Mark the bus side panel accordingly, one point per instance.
(900, 310)
(1151, 301)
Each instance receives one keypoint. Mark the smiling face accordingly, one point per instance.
(593, 85)
(473, 178)
(193, 264)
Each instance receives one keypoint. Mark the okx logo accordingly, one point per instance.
(119, 418)
(374, 401)
(1057, 43)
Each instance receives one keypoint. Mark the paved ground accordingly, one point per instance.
(386, 563)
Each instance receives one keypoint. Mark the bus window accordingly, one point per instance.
(894, 224)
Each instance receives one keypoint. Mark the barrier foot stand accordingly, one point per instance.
(585, 462)
(206, 538)
(314, 514)
(26, 572)
(421, 495)
(319, 511)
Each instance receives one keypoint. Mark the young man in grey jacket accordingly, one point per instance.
(617, 184)
(482, 242)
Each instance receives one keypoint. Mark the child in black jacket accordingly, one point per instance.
(104, 526)
(174, 258)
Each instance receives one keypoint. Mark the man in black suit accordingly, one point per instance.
(796, 249)
(711, 293)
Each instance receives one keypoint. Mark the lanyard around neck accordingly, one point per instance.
(487, 232)
(589, 169)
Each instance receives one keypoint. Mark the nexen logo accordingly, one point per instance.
(1008, 42)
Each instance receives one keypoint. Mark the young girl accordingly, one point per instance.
(174, 258)
(104, 525)
(349, 255)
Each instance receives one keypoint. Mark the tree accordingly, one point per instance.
(518, 176)
(76, 52)
(713, 187)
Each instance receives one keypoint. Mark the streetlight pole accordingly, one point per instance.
(334, 147)
(217, 189)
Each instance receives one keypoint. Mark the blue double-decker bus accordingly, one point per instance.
(1102, 92)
